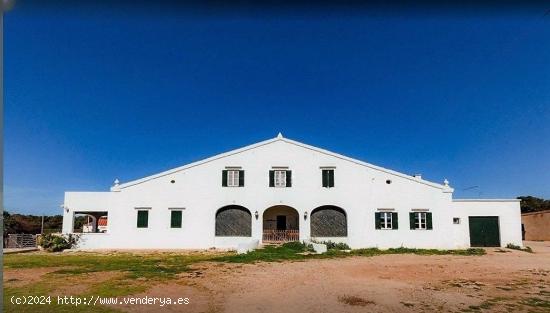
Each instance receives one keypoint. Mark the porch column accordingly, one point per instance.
(68, 221)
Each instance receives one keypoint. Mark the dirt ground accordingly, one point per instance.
(511, 281)
(504, 280)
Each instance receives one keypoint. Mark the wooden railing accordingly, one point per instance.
(272, 235)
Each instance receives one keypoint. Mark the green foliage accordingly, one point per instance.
(297, 246)
(533, 204)
(294, 251)
(287, 251)
(335, 245)
(514, 247)
(30, 224)
(56, 243)
(157, 265)
(402, 250)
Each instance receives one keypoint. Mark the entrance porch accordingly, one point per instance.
(280, 224)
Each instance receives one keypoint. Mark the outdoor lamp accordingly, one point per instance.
(256, 214)
(305, 215)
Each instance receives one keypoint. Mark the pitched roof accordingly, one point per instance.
(270, 141)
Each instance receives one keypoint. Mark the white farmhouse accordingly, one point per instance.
(282, 190)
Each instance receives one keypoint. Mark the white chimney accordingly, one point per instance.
(419, 176)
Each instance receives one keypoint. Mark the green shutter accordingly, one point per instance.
(271, 178)
(175, 219)
(377, 219)
(429, 220)
(325, 178)
(241, 178)
(394, 220)
(142, 218)
(289, 178)
(331, 178)
(224, 178)
(411, 219)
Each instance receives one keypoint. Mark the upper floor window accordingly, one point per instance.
(175, 218)
(142, 218)
(233, 178)
(420, 220)
(386, 220)
(327, 177)
(280, 178)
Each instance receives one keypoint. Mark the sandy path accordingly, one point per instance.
(391, 283)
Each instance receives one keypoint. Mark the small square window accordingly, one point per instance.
(175, 219)
(142, 218)
(233, 178)
(456, 220)
(327, 178)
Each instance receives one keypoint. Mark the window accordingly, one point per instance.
(386, 220)
(175, 219)
(142, 218)
(420, 220)
(232, 178)
(456, 220)
(328, 178)
(280, 178)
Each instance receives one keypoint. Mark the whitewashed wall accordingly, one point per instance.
(507, 210)
(359, 190)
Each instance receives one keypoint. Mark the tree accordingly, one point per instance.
(533, 204)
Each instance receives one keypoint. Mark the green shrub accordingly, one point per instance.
(297, 246)
(335, 245)
(56, 242)
(514, 247)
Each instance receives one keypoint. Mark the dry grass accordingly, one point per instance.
(354, 300)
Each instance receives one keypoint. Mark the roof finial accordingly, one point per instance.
(279, 136)
(117, 182)
(446, 182)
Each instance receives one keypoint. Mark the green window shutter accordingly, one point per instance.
(175, 219)
(411, 219)
(325, 178)
(142, 218)
(429, 220)
(224, 178)
(271, 178)
(289, 178)
(394, 220)
(331, 178)
(241, 178)
(377, 219)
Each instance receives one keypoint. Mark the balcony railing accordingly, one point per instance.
(272, 235)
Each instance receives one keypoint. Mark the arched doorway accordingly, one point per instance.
(233, 221)
(329, 221)
(281, 223)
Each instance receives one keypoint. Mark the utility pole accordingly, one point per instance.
(42, 227)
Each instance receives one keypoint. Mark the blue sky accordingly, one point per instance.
(94, 93)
